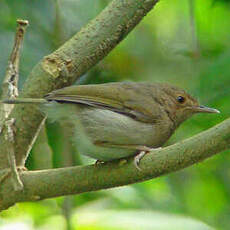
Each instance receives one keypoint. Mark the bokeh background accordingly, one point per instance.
(183, 42)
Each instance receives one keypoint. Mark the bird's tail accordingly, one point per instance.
(24, 101)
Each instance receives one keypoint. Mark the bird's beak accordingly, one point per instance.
(205, 109)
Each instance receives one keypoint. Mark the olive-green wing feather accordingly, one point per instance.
(117, 97)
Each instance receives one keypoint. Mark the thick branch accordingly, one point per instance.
(69, 62)
(74, 180)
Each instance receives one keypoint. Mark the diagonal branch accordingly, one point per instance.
(73, 180)
(69, 62)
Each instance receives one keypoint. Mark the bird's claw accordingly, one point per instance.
(98, 162)
(141, 154)
(138, 158)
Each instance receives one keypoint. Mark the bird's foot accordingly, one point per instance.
(141, 154)
(98, 162)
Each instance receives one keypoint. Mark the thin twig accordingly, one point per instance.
(10, 90)
(17, 183)
(10, 83)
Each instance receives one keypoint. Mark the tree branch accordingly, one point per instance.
(73, 180)
(10, 82)
(10, 90)
(69, 62)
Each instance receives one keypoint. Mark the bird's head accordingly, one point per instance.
(180, 105)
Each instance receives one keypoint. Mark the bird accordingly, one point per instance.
(117, 120)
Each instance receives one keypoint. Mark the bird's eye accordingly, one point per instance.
(181, 99)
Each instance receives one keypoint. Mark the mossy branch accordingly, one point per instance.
(74, 180)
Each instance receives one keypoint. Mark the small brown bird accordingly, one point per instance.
(117, 120)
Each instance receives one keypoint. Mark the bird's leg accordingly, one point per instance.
(138, 158)
(141, 148)
(98, 162)
(141, 154)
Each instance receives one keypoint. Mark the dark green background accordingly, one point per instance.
(183, 42)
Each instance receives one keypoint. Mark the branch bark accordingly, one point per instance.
(69, 62)
(74, 180)
(10, 90)
(10, 82)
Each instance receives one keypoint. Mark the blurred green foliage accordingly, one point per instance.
(183, 42)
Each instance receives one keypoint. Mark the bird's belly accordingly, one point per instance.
(108, 127)
(94, 125)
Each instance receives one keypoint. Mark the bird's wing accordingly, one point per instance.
(117, 97)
